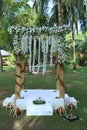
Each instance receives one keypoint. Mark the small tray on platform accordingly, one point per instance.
(70, 117)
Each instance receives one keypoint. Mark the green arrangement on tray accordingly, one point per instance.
(22, 97)
(39, 101)
(56, 97)
(25, 90)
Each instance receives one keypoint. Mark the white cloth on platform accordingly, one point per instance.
(21, 104)
(66, 100)
(39, 110)
(73, 101)
(9, 100)
(57, 103)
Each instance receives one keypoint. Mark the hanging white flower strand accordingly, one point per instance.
(44, 57)
(52, 42)
(15, 43)
(43, 51)
(24, 43)
(38, 54)
(30, 52)
(34, 53)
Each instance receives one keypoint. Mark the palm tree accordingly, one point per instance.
(59, 13)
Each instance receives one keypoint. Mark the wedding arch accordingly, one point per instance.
(39, 43)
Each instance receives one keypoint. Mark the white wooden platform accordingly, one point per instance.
(50, 96)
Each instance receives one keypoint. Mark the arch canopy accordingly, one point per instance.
(40, 42)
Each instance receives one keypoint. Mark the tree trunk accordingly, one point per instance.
(73, 38)
(18, 77)
(59, 13)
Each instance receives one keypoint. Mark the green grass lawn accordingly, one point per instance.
(76, 86)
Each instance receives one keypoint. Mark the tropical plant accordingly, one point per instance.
(26, 16)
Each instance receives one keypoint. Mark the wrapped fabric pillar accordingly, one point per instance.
(22, 72)
(18, 77)
(60, 79)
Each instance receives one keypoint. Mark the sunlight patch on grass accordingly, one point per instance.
(18, 124)
(34, 123)
(28, 122)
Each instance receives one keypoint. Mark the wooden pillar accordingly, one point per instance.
(18, 77)
(22, 72)
(60, 79)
